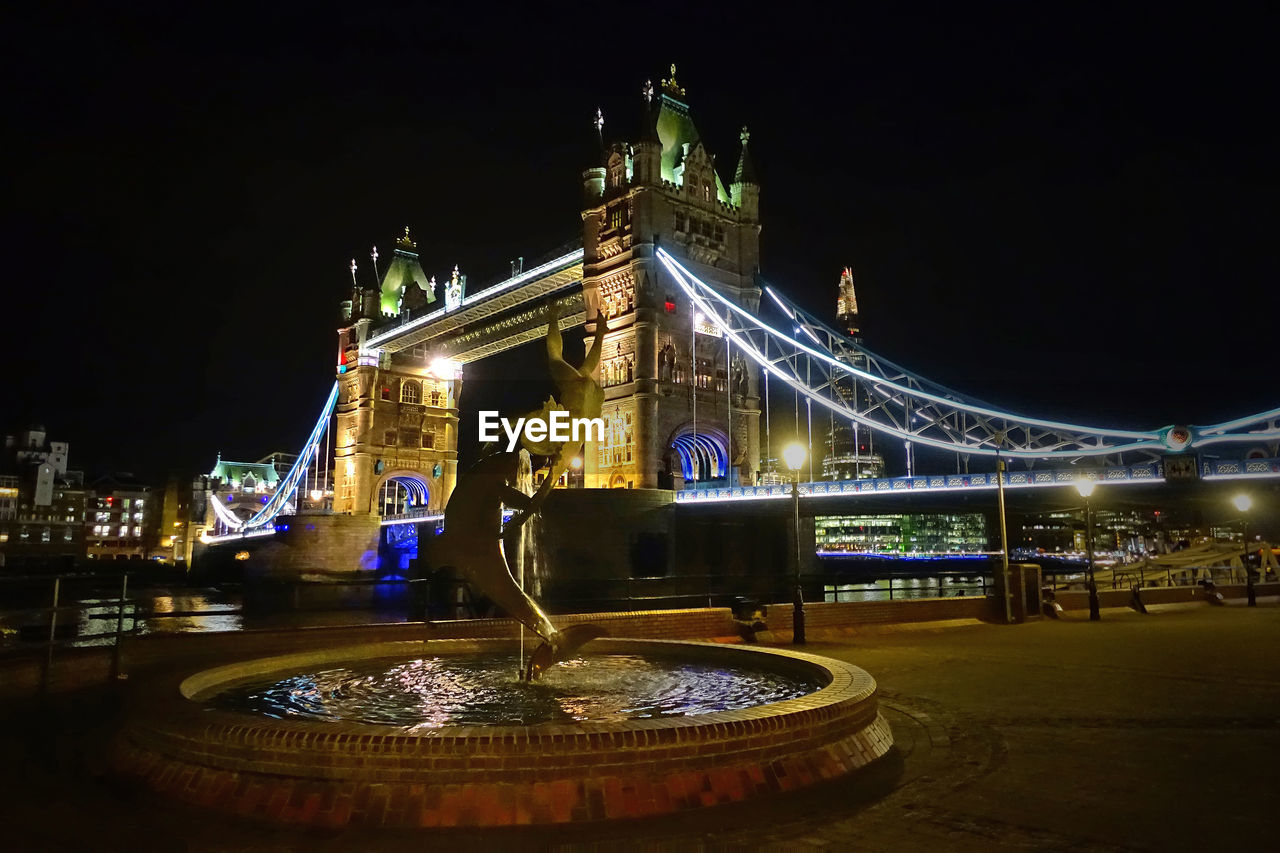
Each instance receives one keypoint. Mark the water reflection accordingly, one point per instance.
(156, 612)
(917, 587)
(485, 690)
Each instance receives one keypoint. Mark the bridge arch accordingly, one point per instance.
(398, 491)
(701, 455)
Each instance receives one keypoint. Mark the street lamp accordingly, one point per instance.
(1085, 488)
(793, 454)
(1243, 503)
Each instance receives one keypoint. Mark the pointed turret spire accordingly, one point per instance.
(404, 284)
(648, 114)
(599, 155)
(744, 192)
(746, 171)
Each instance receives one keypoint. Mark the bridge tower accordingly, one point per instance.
(396, 418)
(679, 405)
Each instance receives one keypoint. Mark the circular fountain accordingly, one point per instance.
(442, 733)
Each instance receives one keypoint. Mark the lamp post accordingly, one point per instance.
(1085, 488)
(1004, 536)
(794, 455)
(1243, 503)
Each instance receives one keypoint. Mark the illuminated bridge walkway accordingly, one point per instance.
(835, 372)
(1144, 474)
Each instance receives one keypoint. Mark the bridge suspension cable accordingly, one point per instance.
(287, 488)
(835, 371)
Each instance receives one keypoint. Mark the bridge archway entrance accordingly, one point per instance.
(398, 492)
(700, 456)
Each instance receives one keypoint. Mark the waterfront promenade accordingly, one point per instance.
(1154, 732)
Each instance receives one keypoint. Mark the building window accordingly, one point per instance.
(436, 397)
(429, 440)
(410, 392)
(124, 503)
(389, 438)
(386, 392)
(44, 535)
(410, 438)
(137, 531)
(124, 531)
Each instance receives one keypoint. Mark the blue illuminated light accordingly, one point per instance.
(701, 453)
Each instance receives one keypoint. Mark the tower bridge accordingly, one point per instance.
(669, 259)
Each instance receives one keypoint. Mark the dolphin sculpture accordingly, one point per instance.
(475, 544)
(474, 541)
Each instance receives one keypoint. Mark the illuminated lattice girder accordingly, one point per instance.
(834, 371)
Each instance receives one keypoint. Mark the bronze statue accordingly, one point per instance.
(477, 545)
(578, 393)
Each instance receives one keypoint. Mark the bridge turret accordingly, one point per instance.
(744, 192)
(661, 397)
(648, 148)
(404, 285)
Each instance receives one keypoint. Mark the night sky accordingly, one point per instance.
(1066, 211)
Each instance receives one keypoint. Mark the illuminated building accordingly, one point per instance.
(236, 491)
(680, 408)
(396, 420)
(850, 452)
(901, 533)
(182, 520)
(42, 504)
(119, 522)
(847, 304)
(849, 455)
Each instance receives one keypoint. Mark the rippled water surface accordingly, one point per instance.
(466, 690)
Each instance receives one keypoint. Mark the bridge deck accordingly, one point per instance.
(473, 330)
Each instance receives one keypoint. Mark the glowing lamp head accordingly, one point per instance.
(1242, 502)
(1085, 487)
(793, 454)
(316, 495)
(575, 463)
(444, 368)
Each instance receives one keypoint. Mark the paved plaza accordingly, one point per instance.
(1156, 732)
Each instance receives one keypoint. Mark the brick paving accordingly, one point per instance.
(1156, 732)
